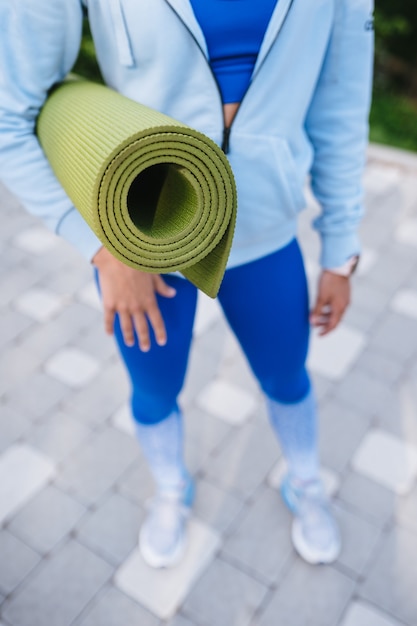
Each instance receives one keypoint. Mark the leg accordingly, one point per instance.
(157, 377)
(266, 304)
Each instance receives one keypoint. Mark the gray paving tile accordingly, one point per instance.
(204, 430)
(112, 529)
(75, 368)
(360, 319)
(359, 539)
(196, 455)
(12, 324)
(113, 608)
(58, 436)
(15, 283)
(38, 395)
(334, 355)
(227, 401)
(95, 341)
(45, 339)
(235, 369)
(180, 620)
(13, 261)
(316, 596)
(390, 461)
(16, 365)
(322, 386)
(246, 458)
(215, 506)
(203, 435)
(202, 367)
(37, 240)
(16, 560)
(17, 220)
(23, 472)
(163, 591)
(399, 414)
(369, 298)
(341, 431)
(40, 305)
(396, 336)
(370, 499)
(136, 483)
(13, 424)
(363, 393)
(237, 596)
(261, 539)
(46, 519)
(97, 465)
(394, 267)
(406, 510)
(60, 588)
(363, 614)
(99, 400)
(390, 581)
(380, 366)
(213, 340)
(76, 271)
(57, 261)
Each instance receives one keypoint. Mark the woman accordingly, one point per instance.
(284, 87)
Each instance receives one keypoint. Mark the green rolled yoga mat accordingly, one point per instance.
(158, 194)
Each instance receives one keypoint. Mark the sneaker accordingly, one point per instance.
(162, 537)
(315, 535)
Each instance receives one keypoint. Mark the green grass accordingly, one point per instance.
(393, 117)
(394, 121)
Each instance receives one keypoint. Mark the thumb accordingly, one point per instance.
(162, 288)
(317, 311)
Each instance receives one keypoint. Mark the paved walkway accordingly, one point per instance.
(73, 483)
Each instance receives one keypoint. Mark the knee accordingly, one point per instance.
(288, 390)
(151, 409)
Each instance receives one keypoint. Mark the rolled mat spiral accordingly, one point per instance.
(158, 194)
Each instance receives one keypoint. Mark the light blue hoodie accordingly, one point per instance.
(305, 110)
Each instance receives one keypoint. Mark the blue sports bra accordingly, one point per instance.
(234, 30)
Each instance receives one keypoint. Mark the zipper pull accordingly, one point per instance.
(226, 139)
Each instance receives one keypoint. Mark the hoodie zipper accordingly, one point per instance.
(225, 146)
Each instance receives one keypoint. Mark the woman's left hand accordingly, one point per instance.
(332, 300)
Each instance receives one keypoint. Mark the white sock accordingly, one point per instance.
(296, 428)
(162, 446)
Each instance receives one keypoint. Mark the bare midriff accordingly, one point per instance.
(229, 112)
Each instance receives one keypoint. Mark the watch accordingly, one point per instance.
(347, 268)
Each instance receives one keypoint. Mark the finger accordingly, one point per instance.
(142, 331)
(109, 314)
(163, 288)
(157, 322)
(321, 311)
(127, 329)
(332, 321)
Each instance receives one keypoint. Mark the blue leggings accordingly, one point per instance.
(266, 305)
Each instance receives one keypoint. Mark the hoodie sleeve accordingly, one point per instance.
(337, 126)
(39, 43)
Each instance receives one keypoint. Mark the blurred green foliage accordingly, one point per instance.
(393, 120)
(86, 64)
(394, 110)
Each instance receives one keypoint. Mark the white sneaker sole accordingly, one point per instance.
(158, 561)
(314, 557)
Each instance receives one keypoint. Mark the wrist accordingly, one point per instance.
(347, 269)
(101, 257)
